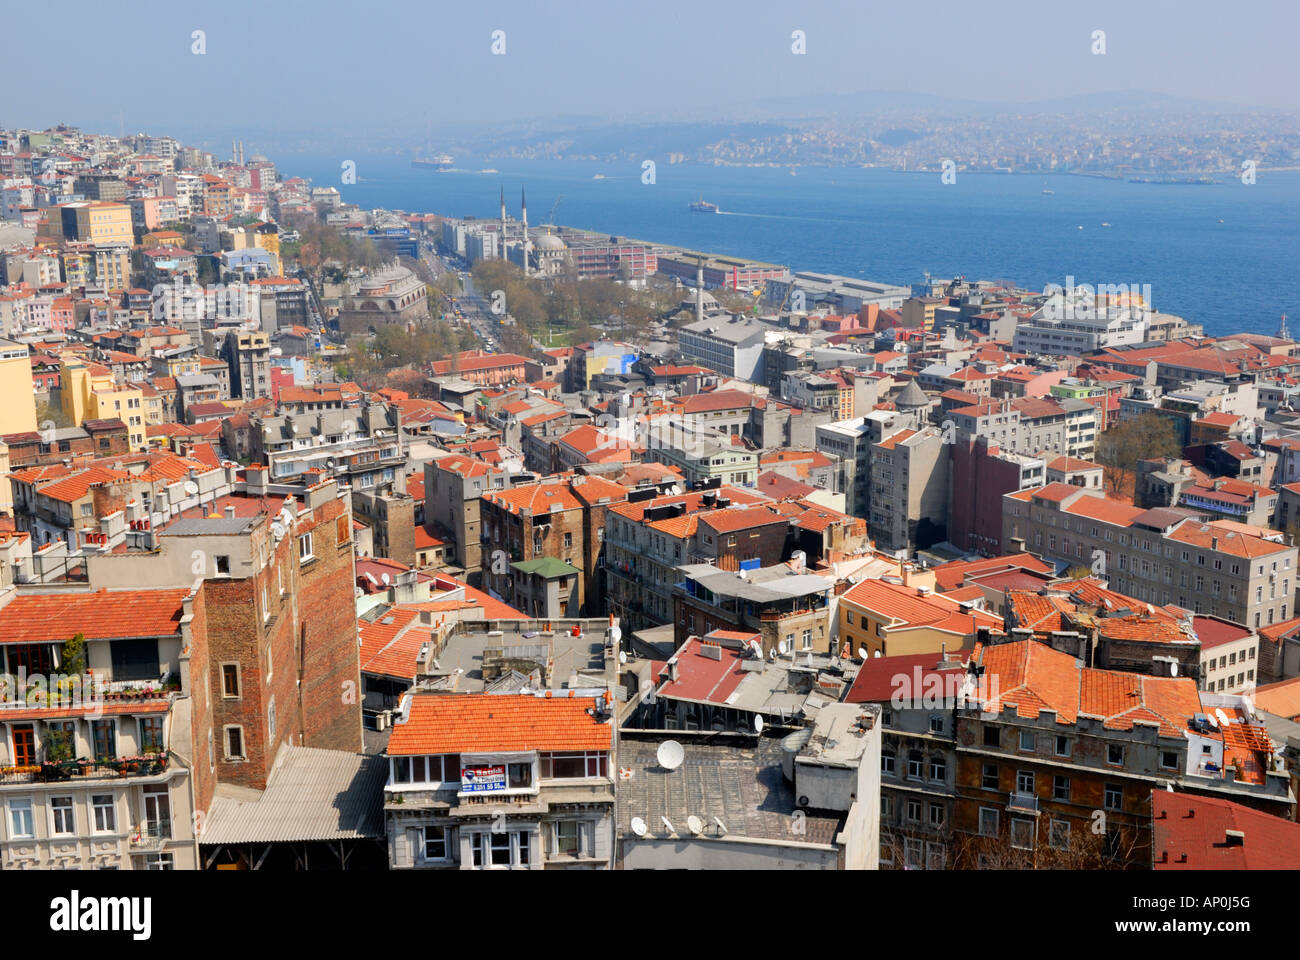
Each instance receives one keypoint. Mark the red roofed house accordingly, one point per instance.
(562, 520)
(501, 781)
(1016, 752)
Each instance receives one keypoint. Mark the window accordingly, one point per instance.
(573, 766)
(1062, 746)
(103, 733)
(992, 736)
(1028, 740)
(436, 843)
(1025, 782)
(1114, 754)
(936, 815)
(936, 724)
(938, 769)
(1022, 833)
(1059, 835)
(914, 763)
(230, 680)
(504, 849)
(1169, 759)
(151, 735)
(270, 719)
(304, 548)
(1060, 788)
(988, 821)
(1114, 798)
(887, 762)
(989, 780)
(63, 821)
(223, 566)
(235, 743)
(159, 861)
(914, 811)
(342, 533)
(568, 835)
(104, 813)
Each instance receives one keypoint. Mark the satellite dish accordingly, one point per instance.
(771, 654)
(782, 648)
(863, 653)
(668, 825)
(877, 654)
(613, 634)
(277, 529)
(384, 577)
(638, 826)
(191, 487)
(622, 657)
(670, 754)
(758, 723)
(286, 516)
(1173, 669)
(695, 824)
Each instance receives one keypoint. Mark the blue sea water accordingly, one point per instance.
(1238, 275)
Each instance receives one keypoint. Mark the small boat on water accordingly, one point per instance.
(703, 206)
(1049, 193)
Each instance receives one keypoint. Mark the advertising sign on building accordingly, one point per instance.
(482, 779)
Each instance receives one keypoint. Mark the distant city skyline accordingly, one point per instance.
(390, 70)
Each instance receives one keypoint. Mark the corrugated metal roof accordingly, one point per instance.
(312, 794)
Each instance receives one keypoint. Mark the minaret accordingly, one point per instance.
(523, 211)
(503, 211)
(699, 288)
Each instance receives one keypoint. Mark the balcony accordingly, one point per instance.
(1018, 802)
(151, 836)
(64, 771)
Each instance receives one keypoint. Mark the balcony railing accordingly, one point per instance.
(152, 835)
(71, 770)
(1022, 802)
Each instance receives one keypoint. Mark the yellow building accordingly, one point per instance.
(89, 393)
(893, 619)
(918, 312)
(93, 222)
(17, 397)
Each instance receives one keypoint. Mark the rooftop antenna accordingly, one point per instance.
(1282, 332)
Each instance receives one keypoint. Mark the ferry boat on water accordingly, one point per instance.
(703, 206)
(441, 162)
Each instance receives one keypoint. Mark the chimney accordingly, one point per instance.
(230, 513)
(905, 573)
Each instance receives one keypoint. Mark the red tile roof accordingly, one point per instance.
(1190, 832)
(104, 615)
(475, 723)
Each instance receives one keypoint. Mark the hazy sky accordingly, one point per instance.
(380, 65)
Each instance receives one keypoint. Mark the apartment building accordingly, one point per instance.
(364, 447)
(559, 519)
(895, 616)
(647, 539)
(1008, 762)
(1159, 556)
(909, 490)
(454, 487)
(501, 782)
(97, 774)
(1031, 425)
(785, 605)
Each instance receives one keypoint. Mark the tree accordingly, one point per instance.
(1145, 437)
(73, 658)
